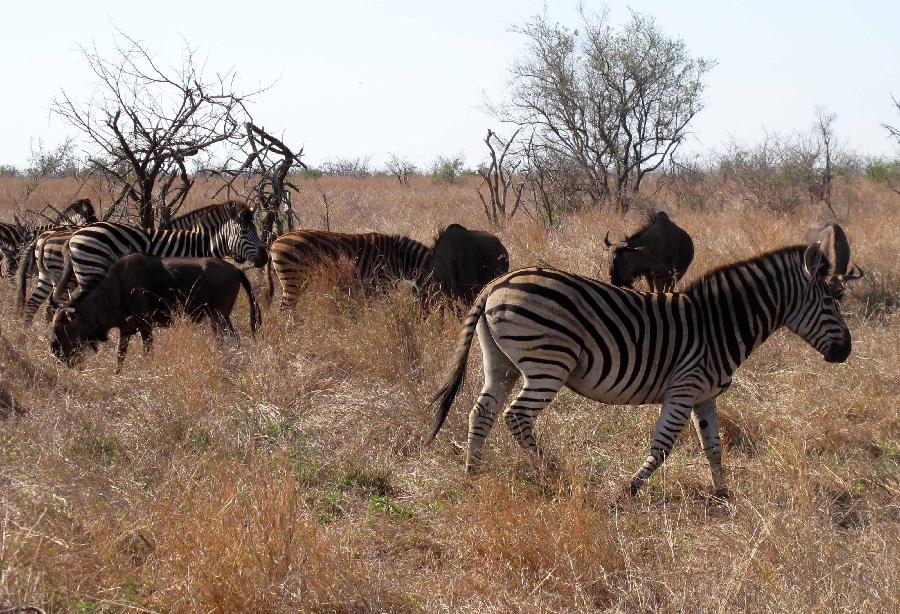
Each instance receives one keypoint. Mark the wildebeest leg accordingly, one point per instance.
(147, 338)
(122, 349)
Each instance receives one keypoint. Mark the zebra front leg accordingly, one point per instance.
(705, 419)
(671, 421)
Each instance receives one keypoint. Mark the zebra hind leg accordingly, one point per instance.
(500, 375)
(38, 295)
(671, 421)
(538, 390)
(706, 423)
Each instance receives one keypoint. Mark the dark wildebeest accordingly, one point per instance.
(463, 261)
(140, 292)
(833, 242)
(660, 252)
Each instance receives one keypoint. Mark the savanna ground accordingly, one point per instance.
(287, 474)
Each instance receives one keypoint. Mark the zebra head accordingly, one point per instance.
(816, 317)
(238, 238)
(81, 213)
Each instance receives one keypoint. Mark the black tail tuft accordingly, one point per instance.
(255, 315)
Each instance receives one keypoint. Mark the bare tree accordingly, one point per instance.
(614, 103)
(499, 175)
(265, 176)
(401, 168)
(145, 120)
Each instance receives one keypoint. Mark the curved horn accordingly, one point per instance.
(606, 240)
(854, 273)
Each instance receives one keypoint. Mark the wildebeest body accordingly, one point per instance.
(140, 292)
(661, 252)
(463, 261)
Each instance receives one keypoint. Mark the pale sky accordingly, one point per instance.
(359, 78)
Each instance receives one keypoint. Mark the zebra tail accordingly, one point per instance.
(22, 275)
(445, 396)
(255, 315)
(57, 297)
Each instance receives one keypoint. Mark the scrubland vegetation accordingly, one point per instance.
(287, 474)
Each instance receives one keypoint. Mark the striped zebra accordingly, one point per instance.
(91, 250)
(620, 346)
(376, 257)
(14, 238)
(47, 252)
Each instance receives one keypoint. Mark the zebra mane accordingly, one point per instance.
(740, 263)
(236, 209)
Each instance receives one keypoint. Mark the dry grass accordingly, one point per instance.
(286, 474)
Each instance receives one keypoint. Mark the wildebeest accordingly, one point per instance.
(834, 243)
(140, 292)
(660, 252)
(463, 261)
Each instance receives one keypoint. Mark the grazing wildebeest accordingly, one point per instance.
(463, 261)
(833, 242)
(140, 292)
(660, 252)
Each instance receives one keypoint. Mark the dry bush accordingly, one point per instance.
(286, 474)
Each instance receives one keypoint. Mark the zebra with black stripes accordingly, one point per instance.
(15, 237)
(615, 345)
(91, 250)
(377, 258)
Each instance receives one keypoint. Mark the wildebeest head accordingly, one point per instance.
(241, 239)
(833, 243)
(626, 263)
(69, 335)
(817, 316)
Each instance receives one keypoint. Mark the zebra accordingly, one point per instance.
(91, 250)
(14, 238)
(376, 257)
(620, 346)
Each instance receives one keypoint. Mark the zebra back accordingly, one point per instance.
(376, 258)
(210, 215)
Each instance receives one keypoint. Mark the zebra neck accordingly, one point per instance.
(741, 306)
(182, 243)
(409, 259)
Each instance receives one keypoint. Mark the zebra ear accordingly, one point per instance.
(815, 263)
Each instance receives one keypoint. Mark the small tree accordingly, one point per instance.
(615, 104)
(448, 170)
(401, 168)
(146, 120)
(498, 175)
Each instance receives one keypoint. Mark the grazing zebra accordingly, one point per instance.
(14, 238)
(620, 346)
(91, 250)
(376, 257)
(45, 252)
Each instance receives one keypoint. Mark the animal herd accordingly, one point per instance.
(548, 328)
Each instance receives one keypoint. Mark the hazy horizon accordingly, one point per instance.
(374, 78)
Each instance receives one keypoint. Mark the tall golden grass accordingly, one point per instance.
(286, 474)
